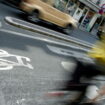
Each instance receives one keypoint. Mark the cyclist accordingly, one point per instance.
(87, 70)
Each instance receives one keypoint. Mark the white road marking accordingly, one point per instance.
(75, 54)
(9, 64)
(12, 20)
(43, 39)
(68, 65)
(0, 24)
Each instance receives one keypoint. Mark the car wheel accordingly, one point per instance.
(68, 30)
(33, 17)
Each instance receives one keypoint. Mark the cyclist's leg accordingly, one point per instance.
(78, 73)
(84, 70)
(87, 70)
(74, 78)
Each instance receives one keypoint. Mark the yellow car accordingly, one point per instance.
(42, 10)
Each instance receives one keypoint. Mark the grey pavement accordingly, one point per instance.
(84, 35)
(24, 86)
(21, 85)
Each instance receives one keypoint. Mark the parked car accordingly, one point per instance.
(42, 10)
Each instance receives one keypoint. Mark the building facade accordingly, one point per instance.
(92, 18)
(86, 12)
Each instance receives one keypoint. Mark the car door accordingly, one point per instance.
(58, 16)
(52, 14)
(62, 18)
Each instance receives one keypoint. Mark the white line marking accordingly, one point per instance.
(43, 39)
(0, 24)
(6, 64)
(69, 66)
(13, 20)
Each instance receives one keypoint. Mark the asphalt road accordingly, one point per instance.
(27, 67)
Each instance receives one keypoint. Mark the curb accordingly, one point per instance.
(47, 40)
(19, 25)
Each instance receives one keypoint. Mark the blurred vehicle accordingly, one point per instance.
(101, 31)
(43, 10)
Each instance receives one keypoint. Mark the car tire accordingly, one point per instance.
(68, 30)
(33, 17)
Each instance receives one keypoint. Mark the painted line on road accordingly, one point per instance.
(0, 24)
(19, 25)
(9, 64)
(75, 54)
(69, 66)
(43, 39)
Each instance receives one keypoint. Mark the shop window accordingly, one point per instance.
(83, 15)
(87, 20)
(81, 6)
(78, 12)
(98, 2)
(71, 8)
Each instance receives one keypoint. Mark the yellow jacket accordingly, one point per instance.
(98, 52)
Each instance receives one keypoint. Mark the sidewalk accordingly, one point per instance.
(84, 35)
